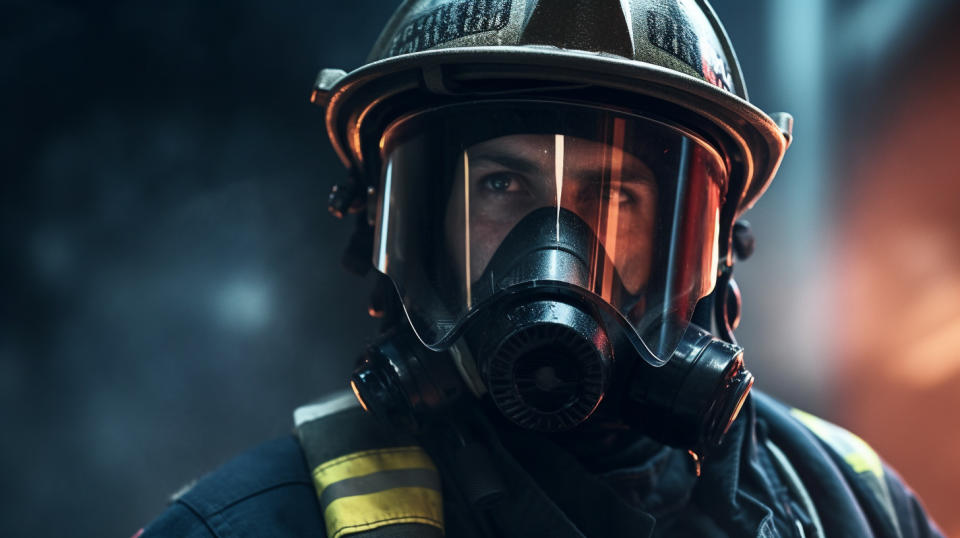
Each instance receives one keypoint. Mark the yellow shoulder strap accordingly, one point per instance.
(373, 488)
(854, 450)
(365, 477)
(858, 455)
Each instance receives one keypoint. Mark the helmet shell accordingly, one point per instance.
(682, 35)
(667, 58)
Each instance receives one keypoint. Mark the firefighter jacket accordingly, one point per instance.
(780, 472)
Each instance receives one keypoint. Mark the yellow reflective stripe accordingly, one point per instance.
(359, 513)
(370, 461)
(855, 451)
(410, 503)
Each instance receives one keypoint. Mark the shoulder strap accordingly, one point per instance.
(843, 474)
(369, 483)
(862, 460)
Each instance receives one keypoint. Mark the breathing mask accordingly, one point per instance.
(549, 257)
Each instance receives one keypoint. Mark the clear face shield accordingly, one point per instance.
(486, 200)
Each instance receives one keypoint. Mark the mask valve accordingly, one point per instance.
(692, 400)
(550, 370)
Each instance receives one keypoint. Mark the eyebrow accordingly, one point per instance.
(513, 162)
(631, 174)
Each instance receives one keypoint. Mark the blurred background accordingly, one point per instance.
(171, 287)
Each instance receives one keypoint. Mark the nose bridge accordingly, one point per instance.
(588, 185)
(568, 175)
(549, 178)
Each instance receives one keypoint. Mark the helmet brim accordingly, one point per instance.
(356, 103)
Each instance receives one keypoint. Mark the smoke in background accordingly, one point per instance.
(171, 287)
(171, 283)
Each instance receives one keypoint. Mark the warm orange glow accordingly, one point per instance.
(696, 461)
(938, 351)
(613, 206)
(356, 392)
(736, 410)
(898, 285)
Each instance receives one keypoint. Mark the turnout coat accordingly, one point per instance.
(780, 472)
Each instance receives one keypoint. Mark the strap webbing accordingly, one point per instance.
(368, 482)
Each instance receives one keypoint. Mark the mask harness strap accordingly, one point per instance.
(727, 300)
(367, 479)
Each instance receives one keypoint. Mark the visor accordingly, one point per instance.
(481, 200)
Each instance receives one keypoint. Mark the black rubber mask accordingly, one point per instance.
(542, 349)
(549, 352)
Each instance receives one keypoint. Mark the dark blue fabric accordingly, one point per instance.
(264, 492)
(910, 513)
(179, 520)
(835, 502)
(735, 491)
(268, 492)
(842, 498)
(590, 503)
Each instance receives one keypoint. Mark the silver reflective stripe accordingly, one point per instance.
(797, 488)
(380, 481)
(334, 403)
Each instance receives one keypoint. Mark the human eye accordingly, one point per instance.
(501, 182)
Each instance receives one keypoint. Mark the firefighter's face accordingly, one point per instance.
(503, 179)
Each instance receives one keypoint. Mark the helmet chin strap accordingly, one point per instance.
(726, 304)
(726, 300)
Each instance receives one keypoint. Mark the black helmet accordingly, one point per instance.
(559, 170)
(670, 60)
(675, 53)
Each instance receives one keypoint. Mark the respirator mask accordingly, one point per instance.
(549, 258)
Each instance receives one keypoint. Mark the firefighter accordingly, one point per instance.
(551, 193)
